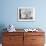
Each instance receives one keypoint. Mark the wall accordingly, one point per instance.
(9, 13)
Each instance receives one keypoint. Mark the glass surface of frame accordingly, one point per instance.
(26, 14)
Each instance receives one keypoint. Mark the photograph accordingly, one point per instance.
(26, 14)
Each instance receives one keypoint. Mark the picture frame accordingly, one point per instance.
(26, 14)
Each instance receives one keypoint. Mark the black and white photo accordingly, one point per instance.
(26, 14)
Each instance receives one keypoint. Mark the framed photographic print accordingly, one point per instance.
(26, 14)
